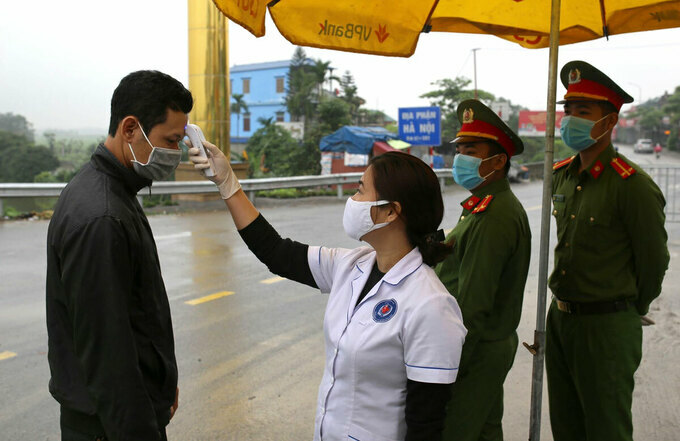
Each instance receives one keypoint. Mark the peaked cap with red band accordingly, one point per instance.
(586, 83)
(478, 121)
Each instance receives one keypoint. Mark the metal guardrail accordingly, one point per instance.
(250, 186)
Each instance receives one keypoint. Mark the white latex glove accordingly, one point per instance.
(224, 176)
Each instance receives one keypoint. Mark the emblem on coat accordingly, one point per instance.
(384, 310)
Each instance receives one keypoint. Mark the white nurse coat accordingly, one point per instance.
(407, 327)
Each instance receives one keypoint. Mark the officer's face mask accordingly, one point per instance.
(162, 162)
(357, 220)
(466, 170)
(575, 132)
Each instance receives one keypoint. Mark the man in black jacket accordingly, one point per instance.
(111, 346)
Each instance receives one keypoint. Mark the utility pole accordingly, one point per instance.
(474, 61)
(639, 92)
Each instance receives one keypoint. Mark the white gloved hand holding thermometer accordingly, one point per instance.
(224, 176)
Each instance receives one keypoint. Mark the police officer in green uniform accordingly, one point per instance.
(486, 272)
(610, 260)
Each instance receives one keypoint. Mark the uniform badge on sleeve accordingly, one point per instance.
(384, 310)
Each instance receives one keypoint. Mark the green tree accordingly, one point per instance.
(9, 140)
(350, 96)
(672, 109)
(447, 95)
(321, 70)
(17, 124)
(238, 106)
(23, 164)
(534, 150)
(274, 152)
(333, 114)
(300, 94)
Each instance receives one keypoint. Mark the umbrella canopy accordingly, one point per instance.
(393, 27)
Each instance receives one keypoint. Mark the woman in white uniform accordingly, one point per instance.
(393, 333)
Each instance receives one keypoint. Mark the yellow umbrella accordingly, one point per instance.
(393, 27)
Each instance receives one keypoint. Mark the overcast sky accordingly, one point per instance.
(61, 60)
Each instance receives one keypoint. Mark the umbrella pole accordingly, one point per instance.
(538, 348)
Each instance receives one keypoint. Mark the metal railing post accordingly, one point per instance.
(2, 209)
(339, 188)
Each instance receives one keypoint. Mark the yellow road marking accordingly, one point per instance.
(7, 354)
(272, 280)
(217, 295)
(534, 208)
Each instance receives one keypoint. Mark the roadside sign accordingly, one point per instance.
(420, 125)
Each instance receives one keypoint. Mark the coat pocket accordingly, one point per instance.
(357, 433)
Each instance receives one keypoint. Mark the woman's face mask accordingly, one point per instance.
(161, 163)
(575, 132)
(357, 220)
(466, 170)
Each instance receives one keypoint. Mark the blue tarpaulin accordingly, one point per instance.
(353, 139)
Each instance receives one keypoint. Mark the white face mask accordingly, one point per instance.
(357, 220)
(161, 161)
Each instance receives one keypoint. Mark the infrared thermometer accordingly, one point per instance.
(196, 137)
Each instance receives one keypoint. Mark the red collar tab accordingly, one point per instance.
(483, 205)
(470, 202)
(482, 129)
(597, 169)
(563, 163)
(622, 168)
(587, 89)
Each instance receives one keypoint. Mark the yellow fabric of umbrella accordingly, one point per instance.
(393, 27)
(580, 20)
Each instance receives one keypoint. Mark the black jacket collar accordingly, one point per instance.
(104, 161)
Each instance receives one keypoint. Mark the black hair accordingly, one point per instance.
(403, 178)
(496, 149)
(148, 94)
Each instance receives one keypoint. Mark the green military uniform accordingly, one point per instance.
(486, 274)
(610, 261)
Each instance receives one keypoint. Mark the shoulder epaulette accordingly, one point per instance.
(624, 169)
(483, 205)
(563, 163)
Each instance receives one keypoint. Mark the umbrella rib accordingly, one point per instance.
(427, 27)
(605, 29)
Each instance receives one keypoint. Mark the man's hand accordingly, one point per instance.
(175, 405)
(224, 176)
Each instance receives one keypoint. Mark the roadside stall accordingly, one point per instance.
(348, 149)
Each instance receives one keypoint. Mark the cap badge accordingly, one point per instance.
(574, 76)
(468, 116)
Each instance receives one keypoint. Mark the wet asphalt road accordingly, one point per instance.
(250, 360)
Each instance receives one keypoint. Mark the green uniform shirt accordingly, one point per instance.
(487, 270)
(611, 240)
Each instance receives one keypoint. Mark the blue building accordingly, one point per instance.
(263, 86)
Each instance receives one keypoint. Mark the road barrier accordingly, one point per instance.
(250, 186)
(667, 177)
